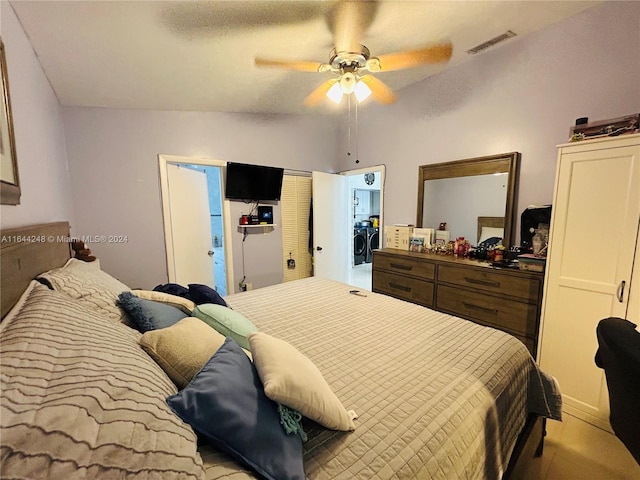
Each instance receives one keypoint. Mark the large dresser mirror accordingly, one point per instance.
(475, 197)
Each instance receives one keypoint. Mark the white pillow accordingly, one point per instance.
(291, 379)
(490, 232)
(85, 281)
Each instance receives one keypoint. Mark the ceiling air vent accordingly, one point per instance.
(491, 43)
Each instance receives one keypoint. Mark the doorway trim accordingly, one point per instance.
(163, 160)
(376, 169)
(381, 170)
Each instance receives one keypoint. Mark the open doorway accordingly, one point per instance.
(197, 247)
(343, 250)
(365, 196)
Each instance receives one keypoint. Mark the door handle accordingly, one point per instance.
(318, 248)
(210, 253)
(620, 291)
(487, 283)
(401, 267)
(492, 311)
(397, 286)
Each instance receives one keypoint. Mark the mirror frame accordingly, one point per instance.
(503, 163)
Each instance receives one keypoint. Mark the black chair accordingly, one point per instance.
(619, 355)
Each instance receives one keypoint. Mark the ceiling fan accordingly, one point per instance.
(352, 62)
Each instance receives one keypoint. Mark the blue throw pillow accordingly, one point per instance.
(200, 294)
(147, 314)
(226, 403)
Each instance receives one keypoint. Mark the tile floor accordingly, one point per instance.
(361, 276)
(576, 450)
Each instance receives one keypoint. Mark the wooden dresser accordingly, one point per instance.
(503, 298)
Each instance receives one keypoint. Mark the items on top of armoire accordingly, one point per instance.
(611, 127)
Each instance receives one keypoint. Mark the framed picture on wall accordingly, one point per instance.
(9, 181)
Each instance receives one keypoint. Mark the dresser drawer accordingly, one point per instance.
(499, 282)
(405, 288)
(515, 317)
(405, 266)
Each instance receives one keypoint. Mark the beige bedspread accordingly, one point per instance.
(437, 396)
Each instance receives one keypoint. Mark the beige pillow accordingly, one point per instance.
(183, 304)
(183, 348)
(291, 379)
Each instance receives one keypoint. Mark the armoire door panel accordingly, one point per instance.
(569, 353)
(594, 203)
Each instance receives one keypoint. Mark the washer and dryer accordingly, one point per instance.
(360, 245)
(373, 242)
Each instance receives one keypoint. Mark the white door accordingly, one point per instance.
(596, 210)
(189, 229)
(330, 226)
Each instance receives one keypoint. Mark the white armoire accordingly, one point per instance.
(593, 249)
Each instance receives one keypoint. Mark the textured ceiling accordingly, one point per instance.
(182, 55)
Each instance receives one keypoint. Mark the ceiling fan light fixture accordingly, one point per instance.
(362, 91)
(347, 83)
(335, 92)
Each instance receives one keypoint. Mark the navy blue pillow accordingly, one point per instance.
(203, 294)
(173, 289)
(226, 403)
(147, 314)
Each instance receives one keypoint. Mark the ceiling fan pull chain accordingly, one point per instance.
(357, 155)
(349, 127)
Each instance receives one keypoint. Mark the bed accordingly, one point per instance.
(435, 396)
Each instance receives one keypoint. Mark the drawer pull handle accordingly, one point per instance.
(401, 267)
(471, 306)
(482, 282)
(400, 287)
(620, 291)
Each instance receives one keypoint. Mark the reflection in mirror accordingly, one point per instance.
(474, 197)
(462, 200)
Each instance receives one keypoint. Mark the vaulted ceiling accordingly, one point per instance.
(185, 55)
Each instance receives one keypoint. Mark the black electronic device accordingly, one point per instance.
(265, 214)
(253, 182)
(531, 219)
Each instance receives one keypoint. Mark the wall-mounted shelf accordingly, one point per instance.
(266, 228)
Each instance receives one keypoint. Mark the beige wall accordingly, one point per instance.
(114, 176)
(523, 95)
(39, 132)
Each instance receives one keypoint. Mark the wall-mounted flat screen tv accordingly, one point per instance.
(253, 182)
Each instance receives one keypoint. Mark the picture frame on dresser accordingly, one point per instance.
(9, 179)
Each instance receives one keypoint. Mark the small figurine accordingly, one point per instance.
(442, 226)
(81, 251)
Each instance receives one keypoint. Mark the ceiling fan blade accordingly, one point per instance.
(348, 21)
(379, 90)
(413, 58)
(298, 65)
(318, 95)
